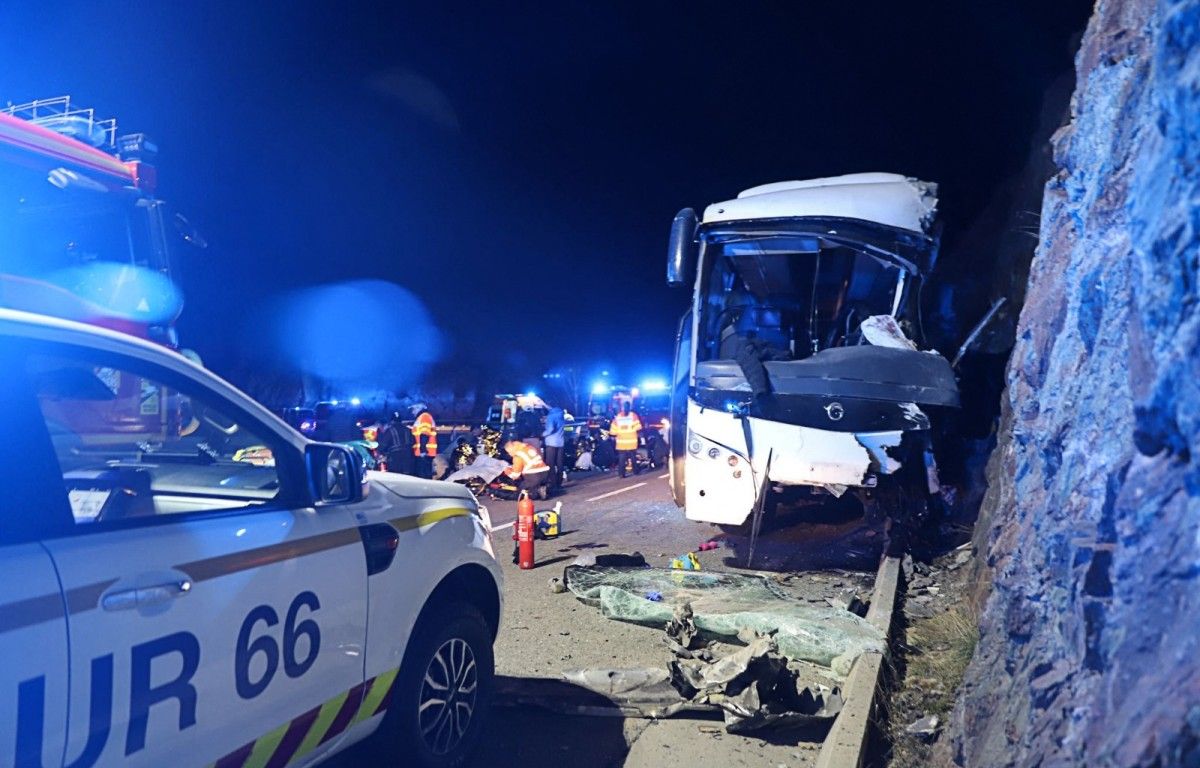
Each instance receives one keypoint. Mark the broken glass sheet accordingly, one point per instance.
(726, 604)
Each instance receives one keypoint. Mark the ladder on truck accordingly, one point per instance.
(61, 116)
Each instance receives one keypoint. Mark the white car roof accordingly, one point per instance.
(882, 198)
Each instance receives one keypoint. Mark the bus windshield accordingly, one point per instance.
(790, 293)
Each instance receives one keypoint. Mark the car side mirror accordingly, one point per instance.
(335, 473)
(681, 253)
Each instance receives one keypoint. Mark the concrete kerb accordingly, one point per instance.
(845, 746)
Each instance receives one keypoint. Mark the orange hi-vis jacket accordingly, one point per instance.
(624, 430)
(526, 460)
(424, 426)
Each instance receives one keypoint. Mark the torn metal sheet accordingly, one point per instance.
(884, 331)
(877, 445)
(726, 605)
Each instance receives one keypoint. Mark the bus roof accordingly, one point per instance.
(880, 198)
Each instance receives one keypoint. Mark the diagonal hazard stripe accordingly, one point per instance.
(290, 742)
(265, 746)
(342, 720)
(236, 758)
(316, 734)
(380, 688)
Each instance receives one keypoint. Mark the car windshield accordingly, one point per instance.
(792, 293)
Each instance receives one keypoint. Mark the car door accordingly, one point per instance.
(33, 620)
(213, 613)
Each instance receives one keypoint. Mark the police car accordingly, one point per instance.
(185, 581)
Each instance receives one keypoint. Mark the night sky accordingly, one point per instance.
(517, 167)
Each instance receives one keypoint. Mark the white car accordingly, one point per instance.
(186, 581)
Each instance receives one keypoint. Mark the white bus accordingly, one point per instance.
(798, 370)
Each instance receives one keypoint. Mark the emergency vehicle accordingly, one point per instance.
(82, 235)
(209, 588)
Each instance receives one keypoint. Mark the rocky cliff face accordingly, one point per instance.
(1090, 646)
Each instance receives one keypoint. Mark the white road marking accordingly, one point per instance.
(502, 527)
(614, 493)
(664, 477)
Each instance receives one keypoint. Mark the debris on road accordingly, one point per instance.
(686, 562)
(634, 560)
(727, 605)
(752, 686)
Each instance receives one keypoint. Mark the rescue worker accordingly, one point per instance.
(624, 429)
(552, 440)
(528, 471)
(425, 447)
(395, 445)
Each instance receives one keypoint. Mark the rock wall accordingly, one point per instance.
(1090, 636)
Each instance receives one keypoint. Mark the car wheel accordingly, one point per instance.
(444, 689)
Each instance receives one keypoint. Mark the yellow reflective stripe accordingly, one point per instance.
(379, 689)
(312, 739)
(265, 747)
(428, 518)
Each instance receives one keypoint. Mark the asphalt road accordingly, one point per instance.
(543, 633)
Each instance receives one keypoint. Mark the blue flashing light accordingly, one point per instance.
(654, 385)
(333, 402)
(531, 393)
(355, 401)
(601, 388)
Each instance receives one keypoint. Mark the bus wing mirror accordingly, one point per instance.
(681, 254)
(189, 233)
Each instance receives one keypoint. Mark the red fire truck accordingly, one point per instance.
(82, 235)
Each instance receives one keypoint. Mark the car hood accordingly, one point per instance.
(408, 487)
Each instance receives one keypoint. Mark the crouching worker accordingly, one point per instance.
(528, 471)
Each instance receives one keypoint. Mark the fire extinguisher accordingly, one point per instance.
(525, 526)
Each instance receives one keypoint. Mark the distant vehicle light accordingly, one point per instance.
(600, 388)
(654, 385)
(333, 402)
(355, 401)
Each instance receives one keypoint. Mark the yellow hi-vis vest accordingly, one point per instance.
(624, 429)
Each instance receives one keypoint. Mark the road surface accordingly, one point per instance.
(543, 633)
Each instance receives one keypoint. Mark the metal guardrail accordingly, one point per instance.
(846, 744)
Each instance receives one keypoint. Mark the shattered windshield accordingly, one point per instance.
(792, 294)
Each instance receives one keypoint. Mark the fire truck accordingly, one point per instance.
(82, 235)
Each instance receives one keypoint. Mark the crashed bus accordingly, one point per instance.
(799, 371)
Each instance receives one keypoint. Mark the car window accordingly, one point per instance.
(130, 446)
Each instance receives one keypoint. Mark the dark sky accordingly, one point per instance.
(517, 166)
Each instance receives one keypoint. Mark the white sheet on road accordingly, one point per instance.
(486, 468)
